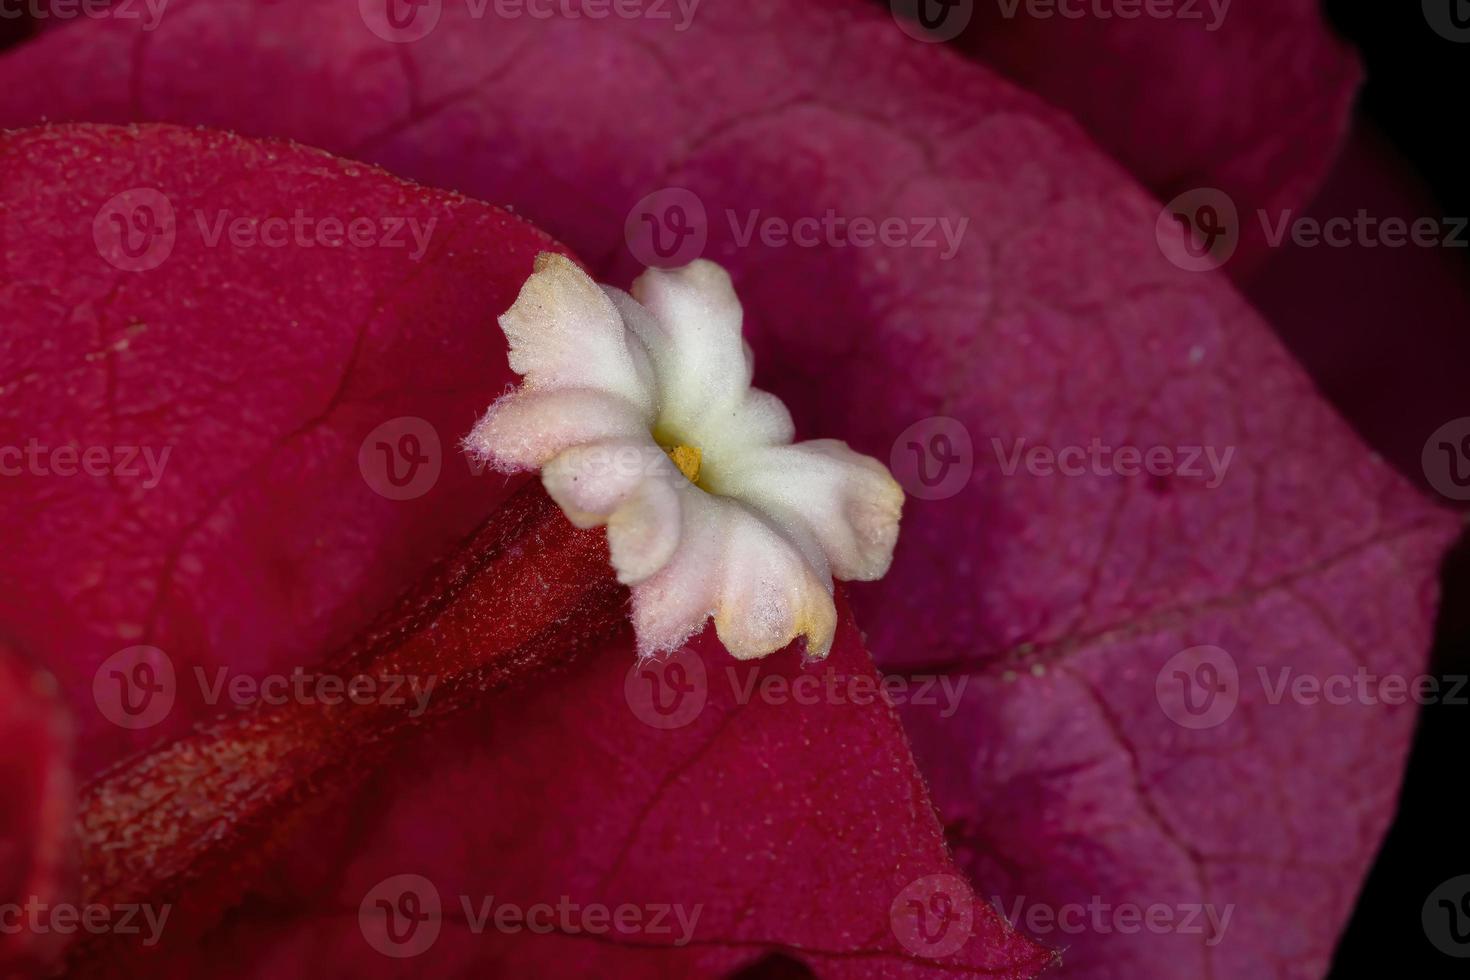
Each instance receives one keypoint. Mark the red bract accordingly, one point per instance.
(1249, 98)
(35, 808)
(275, 532)
(1063, 600)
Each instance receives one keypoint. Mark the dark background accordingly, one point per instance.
(1415, 83)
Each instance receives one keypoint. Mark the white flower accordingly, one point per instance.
(639, 413)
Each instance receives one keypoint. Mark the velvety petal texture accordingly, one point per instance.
(1250, 99)
(738, 826)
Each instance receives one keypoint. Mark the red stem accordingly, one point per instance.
(188, 823)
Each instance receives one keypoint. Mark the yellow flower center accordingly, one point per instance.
(687, 458)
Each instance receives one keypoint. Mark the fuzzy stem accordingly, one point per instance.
(190, 822)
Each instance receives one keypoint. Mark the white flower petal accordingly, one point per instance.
(592, 480)
(526, 429)
(675, 604)
(701, 360)
(565, 332)
(759, 418)
(631, 486)
(754, 581)
(623, 397)
(846, 501)
(644, 533)
(770, 594)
